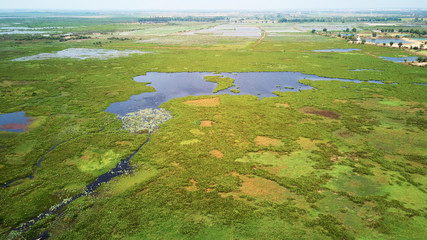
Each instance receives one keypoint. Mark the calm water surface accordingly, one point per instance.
(176, 85)
(13, 122)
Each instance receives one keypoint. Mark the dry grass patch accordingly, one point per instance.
(217, 153)
(266, 141)
(263, 189)
(206, 124)
(189, 142)
(193, 186)
(307, 143)
(340, 101)
(285, 105)
(206, 102)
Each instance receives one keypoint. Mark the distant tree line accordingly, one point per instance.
(180, 19)
(413, 31)
(341, 19)
(401, 30)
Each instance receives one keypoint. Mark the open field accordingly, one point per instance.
(343, 160)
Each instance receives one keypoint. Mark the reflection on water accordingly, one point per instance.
(13, 122)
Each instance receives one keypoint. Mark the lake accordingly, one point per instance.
(400, 59)
(176, 85)
(386, 40)
(14, 122)
(337, 50)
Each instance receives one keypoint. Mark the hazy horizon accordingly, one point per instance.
(218, 5)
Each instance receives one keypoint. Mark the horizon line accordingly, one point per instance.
(223, 10)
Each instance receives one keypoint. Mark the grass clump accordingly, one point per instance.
(222, 82)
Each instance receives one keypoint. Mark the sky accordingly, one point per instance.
(210, 4)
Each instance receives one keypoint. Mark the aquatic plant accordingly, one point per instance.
(145, 120)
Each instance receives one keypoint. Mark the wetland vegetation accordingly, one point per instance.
(231, 127)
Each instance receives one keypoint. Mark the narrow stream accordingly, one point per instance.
(35, 169)
(39, 162)
(121, 168)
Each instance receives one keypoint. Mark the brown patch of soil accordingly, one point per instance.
(266, 141)
(324, 113)
(193, 187)
(206, 124)
(206, 102)
(285, 105)
(217, 153)
(340, 101)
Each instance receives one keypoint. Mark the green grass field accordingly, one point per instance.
(341, 161)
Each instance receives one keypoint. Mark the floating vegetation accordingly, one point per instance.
(146, 120)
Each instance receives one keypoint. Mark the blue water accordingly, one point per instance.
(13, 118)
(425, 84)
(375, 81)
(337, 50)
(387, 40)
(420, 39)
(359, 70)
(176, 85)
(400, 59)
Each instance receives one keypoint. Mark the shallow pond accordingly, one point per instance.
(81, 53)
(176, 85)
(14, 122)
(24, 32)
(360, 70)
(387, 40)
(400, 59)
(337, 50)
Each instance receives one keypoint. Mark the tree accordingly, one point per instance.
(325, 29)
(374, 34)
(363, 41)
(347, 30)
(400, 44)
(354, 30)
(313, 31)
(391, 44)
